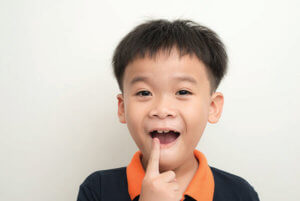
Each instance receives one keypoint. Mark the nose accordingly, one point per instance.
(162, 109)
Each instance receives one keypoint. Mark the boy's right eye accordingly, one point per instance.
(143, 93)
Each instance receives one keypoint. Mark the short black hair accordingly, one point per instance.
(187, 36)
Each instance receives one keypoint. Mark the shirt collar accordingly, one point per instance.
(201, 186)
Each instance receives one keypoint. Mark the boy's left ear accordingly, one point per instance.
(121, 108)
(216, 107)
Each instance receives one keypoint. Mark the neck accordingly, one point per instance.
(186, 172)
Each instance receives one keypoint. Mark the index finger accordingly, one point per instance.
(153, 162)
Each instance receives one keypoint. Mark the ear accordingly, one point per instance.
(216, 107)
(121, 108)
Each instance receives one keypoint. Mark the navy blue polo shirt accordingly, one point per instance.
(124, 184)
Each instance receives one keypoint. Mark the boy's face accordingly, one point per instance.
(161, 97)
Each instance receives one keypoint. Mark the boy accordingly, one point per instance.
(168, 73)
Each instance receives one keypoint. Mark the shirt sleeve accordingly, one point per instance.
(250, 194)
(86, 194)
(90, 189)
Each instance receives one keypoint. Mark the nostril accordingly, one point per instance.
(162, 114)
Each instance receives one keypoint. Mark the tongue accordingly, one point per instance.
(166, 138)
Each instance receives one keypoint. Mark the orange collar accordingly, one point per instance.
(201, 187)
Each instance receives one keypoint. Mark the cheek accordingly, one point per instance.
(196, 116)
(195, 111)
(134, 114)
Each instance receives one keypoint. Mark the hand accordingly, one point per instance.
(158, 186)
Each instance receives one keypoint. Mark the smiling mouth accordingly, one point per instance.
(165, 138)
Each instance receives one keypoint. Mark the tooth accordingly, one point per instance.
(166, 131)
(160, 131)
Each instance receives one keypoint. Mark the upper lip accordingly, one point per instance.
(164, 129)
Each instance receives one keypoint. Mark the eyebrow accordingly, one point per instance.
(179, 78)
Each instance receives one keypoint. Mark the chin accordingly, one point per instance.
(166, 165)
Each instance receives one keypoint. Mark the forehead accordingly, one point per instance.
(166, 66)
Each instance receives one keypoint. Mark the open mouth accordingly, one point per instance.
(165, 137)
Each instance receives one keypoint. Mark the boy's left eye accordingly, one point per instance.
(184, 92)
(143, 93)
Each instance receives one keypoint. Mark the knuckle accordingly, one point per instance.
(171, 173)
(152, 183)
(175, 187)
(155, 183)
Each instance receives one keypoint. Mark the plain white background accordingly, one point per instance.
(58, 106)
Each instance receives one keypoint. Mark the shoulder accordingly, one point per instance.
(228, 178)
(233, 186)
(100, 181)
(95, 177)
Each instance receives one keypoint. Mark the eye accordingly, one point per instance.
(143, 93)
(184, 92)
